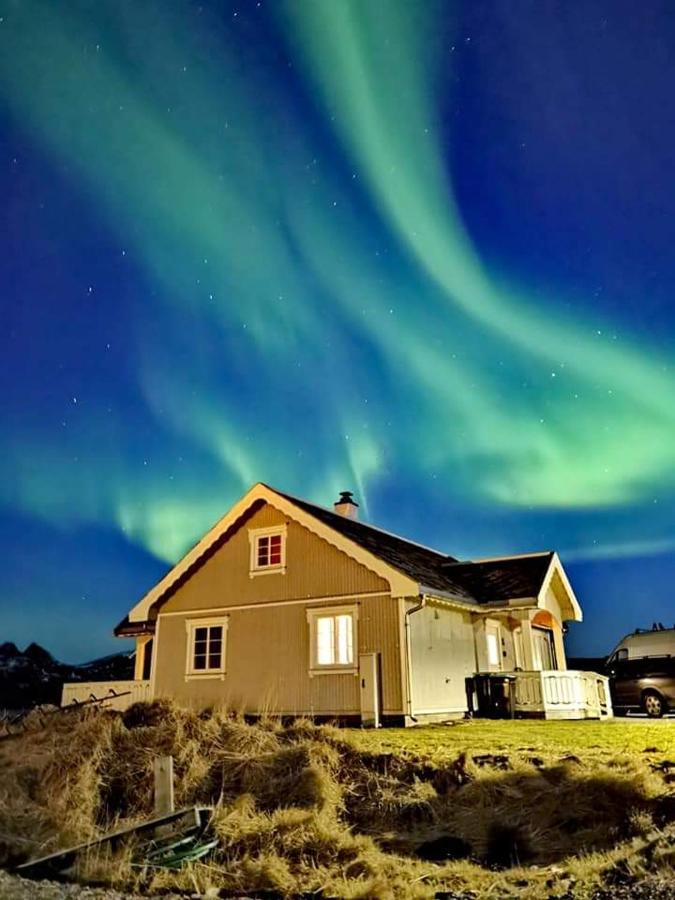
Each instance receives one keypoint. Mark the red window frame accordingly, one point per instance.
(269, 551)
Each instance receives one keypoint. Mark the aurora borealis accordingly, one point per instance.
(421, 250)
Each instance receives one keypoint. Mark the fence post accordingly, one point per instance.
(163, 767)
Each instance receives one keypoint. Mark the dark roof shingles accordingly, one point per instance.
(420, 563)
(499, 580)
(474, 582)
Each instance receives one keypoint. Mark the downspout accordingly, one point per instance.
(413, 609)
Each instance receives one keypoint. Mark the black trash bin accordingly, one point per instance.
(494, 695)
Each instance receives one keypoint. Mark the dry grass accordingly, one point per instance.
(554, 808)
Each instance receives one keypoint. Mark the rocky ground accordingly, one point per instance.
(14, 888)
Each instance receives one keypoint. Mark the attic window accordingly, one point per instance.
(268, 550)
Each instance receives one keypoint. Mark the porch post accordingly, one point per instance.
(141, 641)
(560, 657)
(528, 642)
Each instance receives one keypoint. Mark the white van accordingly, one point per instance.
(641, 643)
(641, 671)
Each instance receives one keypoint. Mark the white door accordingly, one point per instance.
(493, 642)
(369, 681)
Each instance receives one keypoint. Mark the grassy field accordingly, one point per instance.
(501, 809)
(521, 738)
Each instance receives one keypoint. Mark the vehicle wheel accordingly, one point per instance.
(653, 705)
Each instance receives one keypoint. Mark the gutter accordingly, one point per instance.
(413, 609)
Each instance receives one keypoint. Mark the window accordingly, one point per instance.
(332, 634)
(206, 648)
(268, 550)
(493, 647)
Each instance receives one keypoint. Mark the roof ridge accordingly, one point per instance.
(485, 559)
(444, 557)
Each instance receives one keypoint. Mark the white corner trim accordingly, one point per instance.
(153, 662)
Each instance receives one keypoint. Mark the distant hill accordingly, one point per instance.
(32, 676)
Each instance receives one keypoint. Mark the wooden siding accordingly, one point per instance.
(314, 568)
(267, 662)
(267, 658)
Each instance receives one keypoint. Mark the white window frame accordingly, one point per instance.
(316, 668)
(191, 625)
(254, 534)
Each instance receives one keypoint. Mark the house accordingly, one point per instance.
(291, 608)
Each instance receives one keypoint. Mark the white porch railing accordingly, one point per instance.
(112, 694)
(562, 695)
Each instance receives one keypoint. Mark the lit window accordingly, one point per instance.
(492, 648)
(206, 647)
(332, 636)
(268, 550)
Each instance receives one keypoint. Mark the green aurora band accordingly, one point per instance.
(196, 182)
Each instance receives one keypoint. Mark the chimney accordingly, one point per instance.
(346, 506)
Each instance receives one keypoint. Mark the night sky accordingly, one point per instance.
(424, 251)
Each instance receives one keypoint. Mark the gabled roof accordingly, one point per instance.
(409, 567)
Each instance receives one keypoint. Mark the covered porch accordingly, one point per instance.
(519, 644)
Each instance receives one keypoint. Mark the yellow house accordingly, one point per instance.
(294, 609)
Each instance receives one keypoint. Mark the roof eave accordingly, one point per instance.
(447, 598)
(127, 628)
(556, 568)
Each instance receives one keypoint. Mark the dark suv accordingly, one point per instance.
(646, 684)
